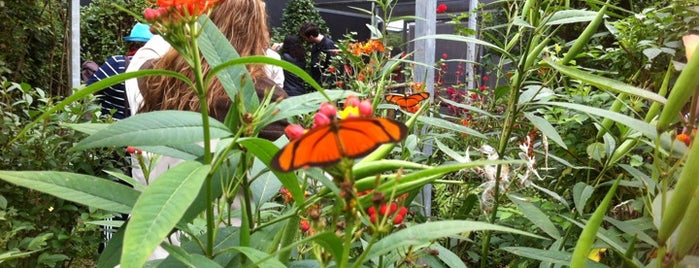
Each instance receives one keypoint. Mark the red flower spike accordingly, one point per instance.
(339, 83)
(331, 69)
(373, 218)
(371, 210)
(485, 78)
(382, 209)
(402, 211)
(398, 219)
(441, 8)
(483, 88)
(445, 56)
(305, 226)
(130, 149)
(294, 131)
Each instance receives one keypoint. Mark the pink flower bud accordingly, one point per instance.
(151, 14)
(328, 110)
(320, 120)
(365, 109)
(351, 101)
(294, 131)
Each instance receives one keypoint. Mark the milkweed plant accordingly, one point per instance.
(530, 168)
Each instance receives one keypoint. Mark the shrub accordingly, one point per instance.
(36, 229)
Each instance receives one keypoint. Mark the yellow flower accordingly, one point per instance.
(349, 111)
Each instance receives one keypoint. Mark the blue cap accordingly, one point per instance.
(139, 33)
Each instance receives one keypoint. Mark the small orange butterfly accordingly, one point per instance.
(407, 101)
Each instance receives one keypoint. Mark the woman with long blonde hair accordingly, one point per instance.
(244, 23)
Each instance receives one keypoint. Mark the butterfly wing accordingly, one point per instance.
(407, 101)
(317, 147)
(326, 145)
(360, 136)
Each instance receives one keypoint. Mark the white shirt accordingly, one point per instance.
(274, 72)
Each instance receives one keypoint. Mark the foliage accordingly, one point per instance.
(296, 13)
(38, 229)
(103, 26)
(34, 50)
(557, 156)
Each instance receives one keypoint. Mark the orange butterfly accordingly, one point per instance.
(407, 101)
(348, 138)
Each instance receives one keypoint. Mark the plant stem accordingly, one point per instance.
(203, 106)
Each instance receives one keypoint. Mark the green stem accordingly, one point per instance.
(201, 90)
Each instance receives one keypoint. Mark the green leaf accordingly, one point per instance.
(307, 103)
(261, 259)
(87, 128)
(83, 189)
(448, 257)
(552, 256)
(571, 16)
(589, 233)
(217, 49)
(265, 150)
(154, 129)
(596, 151)
(426, 232)
(441, 123)
(190, 260)
(546, 128)
(606, 83)
(536, 216)
(159, 209)
(644, 128)
(581, 193)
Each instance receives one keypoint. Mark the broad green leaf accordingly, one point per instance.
(179, 151)
(16, 254)
(217, 49)
(606, 83)
(159, 209)
(546, 128)
(93, 88)
(331, 243)
(551, 256)
(87, 128)
(259, 258)
(441, 123)
(190, 260)
(265, 150)
(536, 216)
(426, 232)
(307, 103)
(83, 189)
(596, 151)
(451, 153)
(571, 16)
(154, 129)
(581, 193)
(448, 257)
(365, 169)
(125, 178)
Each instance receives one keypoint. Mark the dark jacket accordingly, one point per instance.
(293, 85)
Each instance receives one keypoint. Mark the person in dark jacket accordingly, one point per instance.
(322, 49)
(293, 52)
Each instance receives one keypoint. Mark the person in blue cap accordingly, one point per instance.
(113, 98)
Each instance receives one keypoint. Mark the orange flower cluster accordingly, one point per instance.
(175, 10)
(373, 45)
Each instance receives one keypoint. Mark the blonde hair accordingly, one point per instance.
(244, 23)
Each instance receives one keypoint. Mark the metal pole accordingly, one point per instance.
(471, 47)
(75, 43)
(424, 53)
